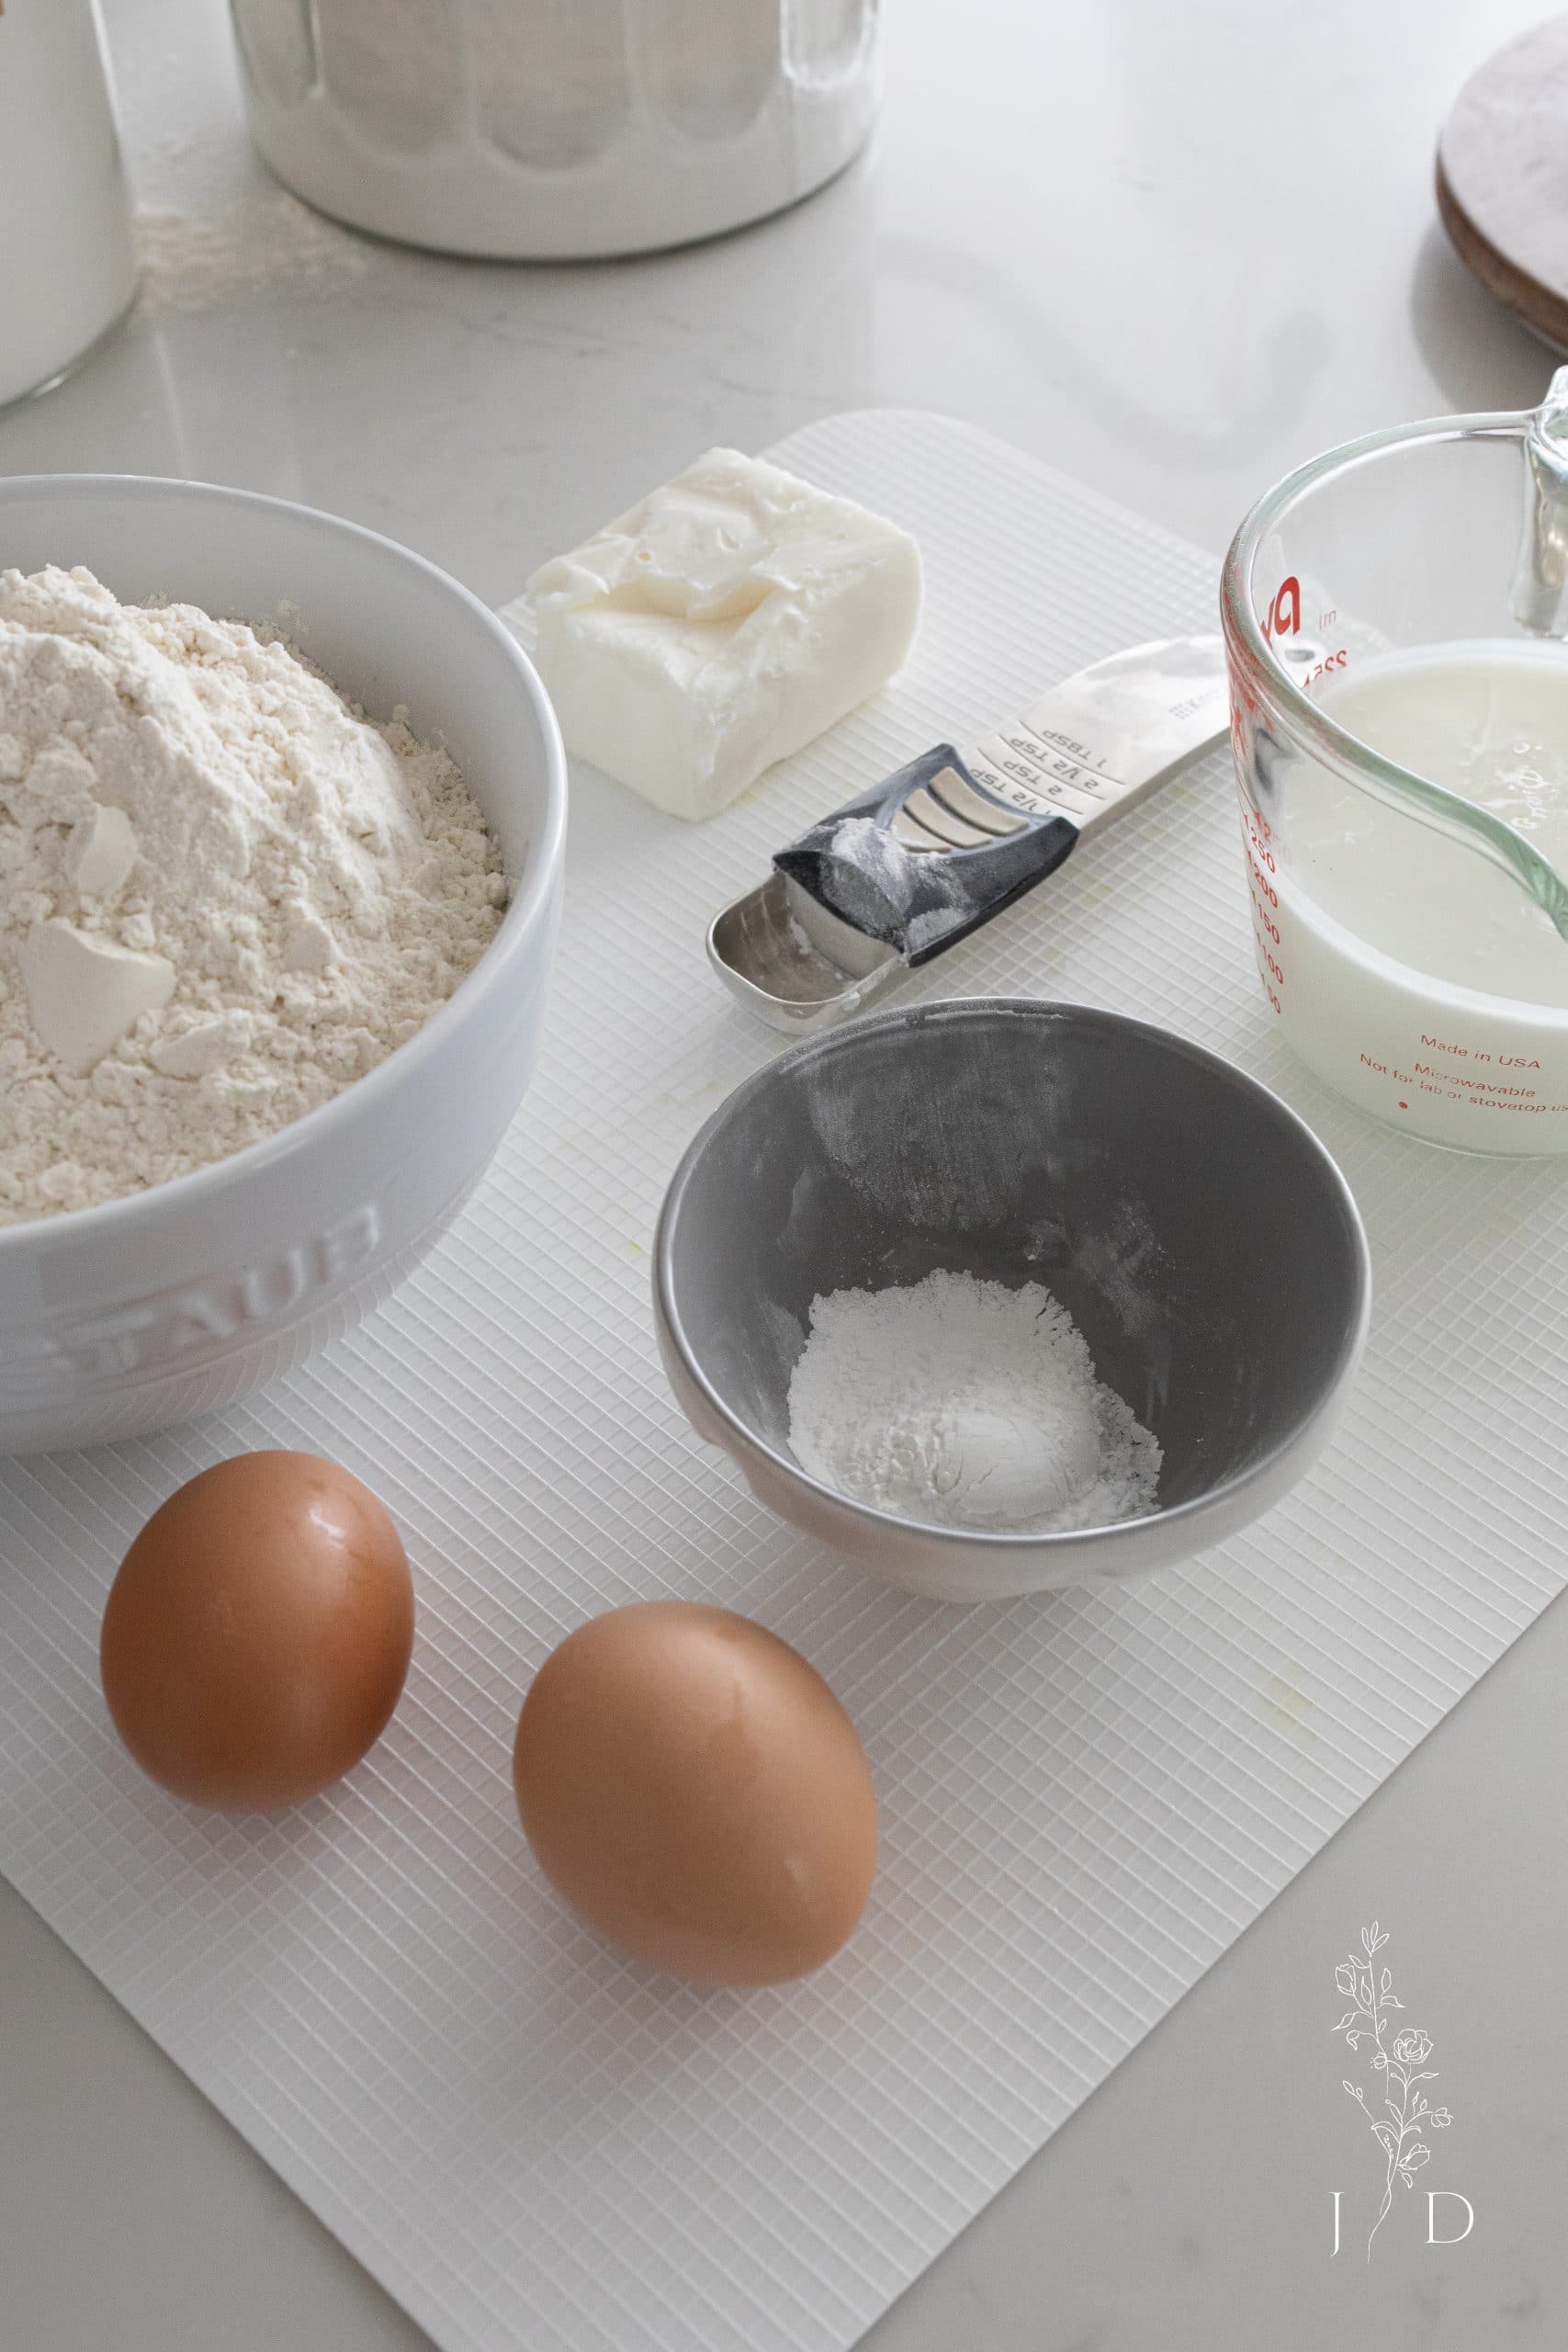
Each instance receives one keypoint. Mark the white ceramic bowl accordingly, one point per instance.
(124, 1319)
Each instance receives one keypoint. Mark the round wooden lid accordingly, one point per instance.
(1503, 178)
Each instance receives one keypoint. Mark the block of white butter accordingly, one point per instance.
(719, 625)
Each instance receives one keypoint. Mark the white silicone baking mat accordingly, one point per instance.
(1083, 1799)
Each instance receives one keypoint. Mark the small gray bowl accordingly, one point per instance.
(1198, 1233)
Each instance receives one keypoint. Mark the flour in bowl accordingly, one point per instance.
(225, 894)
(963, 1404)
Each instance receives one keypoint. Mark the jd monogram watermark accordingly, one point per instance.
(1398, 2060)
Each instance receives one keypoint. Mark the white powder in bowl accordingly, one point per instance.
(963, 1404)
(223, 893)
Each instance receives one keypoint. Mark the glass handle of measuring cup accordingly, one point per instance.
(1540, 582)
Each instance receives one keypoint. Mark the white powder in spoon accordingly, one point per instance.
(963, 1404)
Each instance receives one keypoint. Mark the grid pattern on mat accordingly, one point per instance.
(1085, 1799)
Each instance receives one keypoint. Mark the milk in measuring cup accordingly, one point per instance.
(1408, 971)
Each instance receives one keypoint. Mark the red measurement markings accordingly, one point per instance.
(1265, 905)
(1284, 617)
(1265, 900)
(1329, 662)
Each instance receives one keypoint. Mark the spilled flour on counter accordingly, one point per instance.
(189, 261)
(223, 894)
(963, 1404)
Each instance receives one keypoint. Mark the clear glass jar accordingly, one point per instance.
(549, 130)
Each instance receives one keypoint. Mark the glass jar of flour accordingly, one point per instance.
(64, 196)
(553, 129)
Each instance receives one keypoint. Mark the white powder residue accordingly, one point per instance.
(188, 261)
(223, 894)
(963, 1404)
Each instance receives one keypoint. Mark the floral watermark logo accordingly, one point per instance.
(1398, 2061)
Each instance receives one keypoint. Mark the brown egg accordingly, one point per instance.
(258, 1633)
(697, 1794)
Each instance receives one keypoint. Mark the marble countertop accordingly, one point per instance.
(1173, 252)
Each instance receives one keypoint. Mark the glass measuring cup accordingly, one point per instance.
(1394, 618)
